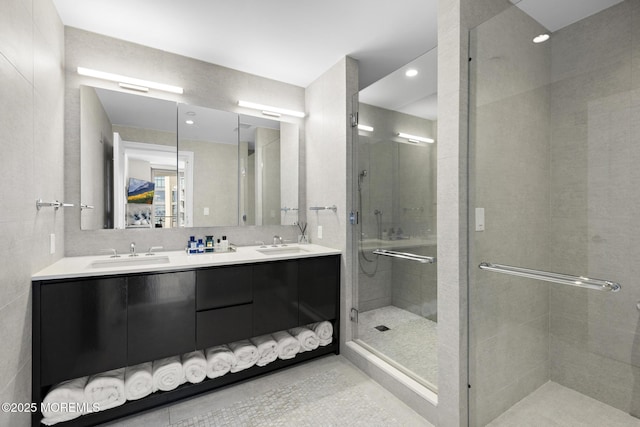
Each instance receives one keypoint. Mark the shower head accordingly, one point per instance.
(362, 174)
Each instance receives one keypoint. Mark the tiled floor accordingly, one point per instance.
(411, 340)
(329, 391)
(553, 405)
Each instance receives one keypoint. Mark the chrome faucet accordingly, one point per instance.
(153, 248)
(132, 249)
(277, 240)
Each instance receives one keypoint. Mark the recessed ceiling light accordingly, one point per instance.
(541, 38)
(189, 122)
(190, 113)
(411, 72)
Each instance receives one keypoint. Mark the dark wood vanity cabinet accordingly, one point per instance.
(82, 327)
(160, 311)
(275, 296)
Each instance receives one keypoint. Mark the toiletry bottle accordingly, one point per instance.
(216, 248)
(224, 245)
(209, 244)
(193, 248)
(200, 246)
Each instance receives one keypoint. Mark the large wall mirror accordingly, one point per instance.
(151, 163)
(268, 172)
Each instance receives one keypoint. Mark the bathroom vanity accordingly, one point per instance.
(95, 314)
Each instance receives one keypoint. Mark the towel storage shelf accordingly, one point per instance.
(89, 325)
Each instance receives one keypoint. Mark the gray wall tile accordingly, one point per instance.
(31, 58)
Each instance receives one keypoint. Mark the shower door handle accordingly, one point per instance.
(405, 255)
(547, 276)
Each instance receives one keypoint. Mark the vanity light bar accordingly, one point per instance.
(133, 87)
(269, 110)
(138, 84)
(365, 128)
(414, 138)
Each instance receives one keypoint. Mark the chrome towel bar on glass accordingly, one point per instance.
(405, 255)
(547, 276)
(323, 208)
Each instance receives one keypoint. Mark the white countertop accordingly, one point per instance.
(88, 266)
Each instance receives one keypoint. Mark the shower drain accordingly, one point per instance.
(381, 328)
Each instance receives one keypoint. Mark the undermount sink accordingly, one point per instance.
(282, 249)
(126, 261)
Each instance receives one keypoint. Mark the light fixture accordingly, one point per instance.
(415, 139)
(129, 82)
(189, 122)
(271, 111)
(541, 38)
(411, 72)
(133, 87)
(365, 128)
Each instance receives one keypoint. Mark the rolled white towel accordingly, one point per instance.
(307, 338)
(220, 360)
(246, 354)
(66, 392)
(138, 381)
(324, 331)
(195, 366)
(267, 349)
(168, 373)
(106, 389)
(288, 346)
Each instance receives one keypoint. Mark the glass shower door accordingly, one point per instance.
(394, 191)
(554, 131)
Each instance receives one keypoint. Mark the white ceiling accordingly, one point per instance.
(416, 96)
(557, 14)
(296, 41)
(290, 41)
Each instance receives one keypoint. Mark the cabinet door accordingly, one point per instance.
(319, 284)
(83, 328)
(275, 296)
(162, 316)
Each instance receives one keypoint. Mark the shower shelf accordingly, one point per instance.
(405, 255)
(547, 276)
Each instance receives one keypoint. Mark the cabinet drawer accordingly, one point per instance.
(223, 287)
(223, 325)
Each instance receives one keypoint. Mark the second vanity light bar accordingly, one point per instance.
(270, 110)
(129, 82)
(414, 138)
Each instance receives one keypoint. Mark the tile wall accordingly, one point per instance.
(31, 90)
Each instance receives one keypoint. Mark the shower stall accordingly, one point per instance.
(395, 195)
(554, 203)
